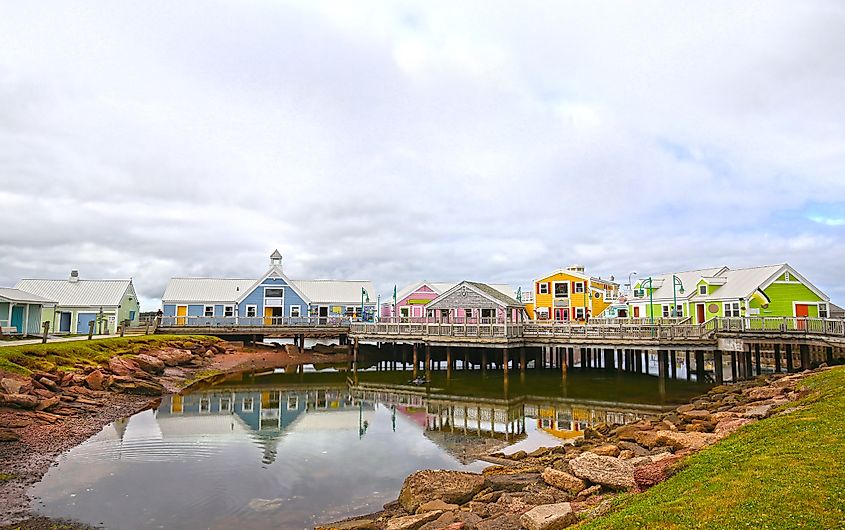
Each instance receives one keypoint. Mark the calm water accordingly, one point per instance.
(291, 450)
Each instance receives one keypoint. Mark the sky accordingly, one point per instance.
(403, 141)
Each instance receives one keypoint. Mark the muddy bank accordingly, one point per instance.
(555, 487)
(49, 413)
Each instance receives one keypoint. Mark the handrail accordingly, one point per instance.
(203, 321)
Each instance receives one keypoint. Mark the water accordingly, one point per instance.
(291, 450)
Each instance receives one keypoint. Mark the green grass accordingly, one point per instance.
(784, 472)
(6, 476)
(65, 356)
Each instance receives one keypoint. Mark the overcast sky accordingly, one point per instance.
(491, 141)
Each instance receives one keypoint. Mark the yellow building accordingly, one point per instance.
(570, 295)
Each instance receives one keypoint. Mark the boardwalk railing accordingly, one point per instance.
(439, 329)
(245, 322)
(798, 325)
(617, 331)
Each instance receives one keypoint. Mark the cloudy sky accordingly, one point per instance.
(397, 141)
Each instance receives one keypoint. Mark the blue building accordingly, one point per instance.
(266, 300)
(21, 312)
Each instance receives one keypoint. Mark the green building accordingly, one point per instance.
(699, 295)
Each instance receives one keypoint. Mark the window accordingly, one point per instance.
(295, 311)
(293, 402)
(543, 288)
(247, 404)
(251, 311)
(561, 289)
(350, 310)
(274, 297)
(205, 405)
(639, 293)
(579, 287)
(225, 404)
(823, 311)
(404, 312)
(731, 309)
(579, 313)
(208, 311)
(468, 314)
(666, 311)
(542, 313)
(702, 289)
(679, 311)
(228, 311)
(787, 277)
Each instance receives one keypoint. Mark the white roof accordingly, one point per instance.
(442, 287)
(663, 282)
(335, 291)
(80, 293)
(223, 290)
(740, 283)
(16, 295)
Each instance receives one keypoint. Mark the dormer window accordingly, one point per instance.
(702, 289)
(787, 277)
(639, 293)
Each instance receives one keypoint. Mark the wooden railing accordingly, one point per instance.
(798, 325)
(205, 322)
(439, 329)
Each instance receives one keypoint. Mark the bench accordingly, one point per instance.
(9, 330)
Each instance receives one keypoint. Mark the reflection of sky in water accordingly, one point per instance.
(182, 468)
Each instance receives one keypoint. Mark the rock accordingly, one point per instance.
(685, 440)
(454, 487)
(137, 387)
(208, 353)
(648, 475)
(728, 426)
(589, 492)
(637, 449)
(47, 404)
(515, 482)
(685, 408)
(150, 364)
(23, 401)
(358, 524)
(436, 505)
(411, 522)
(519, 455)
(49, 384)
(95, 380)
(758, 412)
(646, 438)
(479, 508)
(696, 414)
(173, 357)
(540, 452)
(507, 521)
(626, 454)
(765, 392)
(549, 517)
(592, 434)
(12, 386)
(606, 450)
(563, 481)
(9, 436)
(15, 423)
(604, 470)
(122, 366)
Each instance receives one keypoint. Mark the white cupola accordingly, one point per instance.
(276, 259)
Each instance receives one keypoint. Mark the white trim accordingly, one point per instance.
(251, 404)
(295, 402)
(554, 286)
(279, 274)
(298, 311)
(542, 284)
(575, 288)
(786, 267)
(796, 303)
(725, 305)
(225, 307)
(254, 308)
(229, 409)
(199, 405)
(205, 310)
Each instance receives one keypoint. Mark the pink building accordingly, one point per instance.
(412, 299)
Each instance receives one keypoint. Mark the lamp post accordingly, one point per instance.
(363, 295)
(676, 282)
(650, 297)
(631, 285)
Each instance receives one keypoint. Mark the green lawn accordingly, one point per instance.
(783, 472)
(66, 355)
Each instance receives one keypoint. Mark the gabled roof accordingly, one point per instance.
(441, 287)
(336, 291)
(741, 283)
(483, 289)
(576, 274)
(80, 293)
(16, 295)
(274, 272)
(210, 290)
(663, 283)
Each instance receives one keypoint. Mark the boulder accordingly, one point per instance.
(47, 404)
(606, 450)
(436, 505)
(758, 412)
(604, 470)
(593, 434)
(122, 366)
(563, 481)
(23, 401)
(137, 387)
(95, 380)
(150, 364)
(9, 436)
(589, 492)
(454, 487)
(514, 482)
(728, 426)
(685, 440)
(506, 521)
(358, 524)
(12, 386)
(646, 438)
(765, 392)
(411, 522)
(696, 414)
(549, 517)
(637, 449)
(648, 475)
(173, 357)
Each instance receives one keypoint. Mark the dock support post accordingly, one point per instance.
(789, 367)
(620, 361)
(829, 355)
(687, 366)
(448, 362)
(46, 329)
(416, 359)
(757, 362)
(718, 367)
(571, 353)
(355, 360)
(522, 362)
(484, 361)
(734, 373)
(805, 356)
(505, 360)
(777, 358)
(427, 361)
(699, 366)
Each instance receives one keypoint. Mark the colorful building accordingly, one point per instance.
(79, 302)
(21, 312)
(698, 296)
(412, 299)
(570, 295)
(475, 303)
(210, 301)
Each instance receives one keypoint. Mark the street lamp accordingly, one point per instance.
(650, 297)
(631, 285)
(676, 282)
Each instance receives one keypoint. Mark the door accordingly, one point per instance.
(64, 322)
(802, 311)
(699, 313)
(561, 314)
(17, 318)
(181, 311)
(83, 322)
(636, 311)
(268, 316)
(323, 312)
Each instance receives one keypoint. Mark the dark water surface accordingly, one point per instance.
(291, 450)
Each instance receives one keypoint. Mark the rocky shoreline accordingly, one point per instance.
(555, 487)
(48, 413)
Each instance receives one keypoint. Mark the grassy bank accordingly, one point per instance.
(784, 472)
(67, 355)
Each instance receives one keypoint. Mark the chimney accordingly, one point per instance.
(74, 276)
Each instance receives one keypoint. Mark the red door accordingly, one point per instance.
(802, 311)
(636, 311)
(699, 313)
(561, 314)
